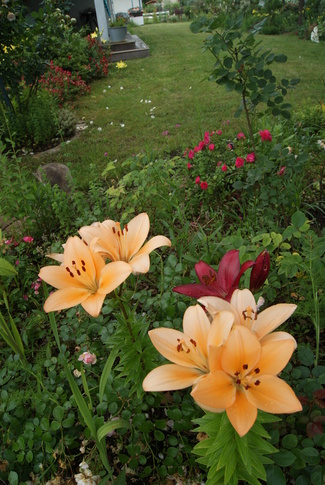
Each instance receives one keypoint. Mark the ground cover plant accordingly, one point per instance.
(225, 217)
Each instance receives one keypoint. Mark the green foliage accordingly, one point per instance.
(230, 458)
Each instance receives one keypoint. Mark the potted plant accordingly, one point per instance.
(117, 29)
(136, 15)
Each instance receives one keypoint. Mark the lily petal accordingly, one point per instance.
(275, 355)
(215, 305)
(195, 290)
(242, 414)
(112, 275)
(65, 298)
(272, 317)
(241, 348)
(138, 229)
(277, 336)
(93, 304)
(273, 395)
(197, 325)
(219, 332)
(241, 300)
(215, 391)
(58, 277)
(178, 348)
(170, 377)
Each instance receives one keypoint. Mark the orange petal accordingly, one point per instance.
(273, 395)
(274, 356)
(170, 377)
(219, 332)
(242, 299)
(277, 336)
(215, 391)
(214, 305)
(196, 325)
(58, 277)
(76, 251)
(65, 298)
(138, 229)
(93, 304)
(140, 263)
(101, 238)
(269, 319)
(178, 348)
(242, 414)
(241, 351)
(112, 275)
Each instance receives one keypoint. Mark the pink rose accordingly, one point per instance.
(206, 137)
(189, 165)
(196, 149)
(204, 185)
(211, 146)
(239, 162)
(241, 135)
(219, 163)
(28, 239)
(265, 135)
(88, 358)
(219, 132)
(282, 170)
(191, 154)
(202, 145)
(197, 180)
(250, 158)
(224, 167)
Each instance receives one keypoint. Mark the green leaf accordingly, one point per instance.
(275, 476)
(298, 219)
(284, 458)
(111, 426)
(58, 413)
(280, 58)
(105, 374)
(289, 441)
(13, 478)
(6, 269)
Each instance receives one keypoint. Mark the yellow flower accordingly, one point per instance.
(121, 65)
(82, 278)
(117, 244)
(244, 379)
(189, 351)
(243, 307)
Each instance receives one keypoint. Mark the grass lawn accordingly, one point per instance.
(133, 108)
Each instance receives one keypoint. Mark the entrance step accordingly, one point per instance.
(131, 48)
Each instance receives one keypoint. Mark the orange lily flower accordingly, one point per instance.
(243, 306)
(117, 244)
(189, 351)
(82, 278)
(245, 380)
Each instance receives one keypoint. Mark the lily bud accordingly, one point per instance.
(260, 271)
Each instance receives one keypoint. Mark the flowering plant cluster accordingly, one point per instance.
(63, 84)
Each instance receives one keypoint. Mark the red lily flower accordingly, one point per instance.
(221, 283)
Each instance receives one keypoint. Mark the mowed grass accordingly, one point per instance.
(133, 108)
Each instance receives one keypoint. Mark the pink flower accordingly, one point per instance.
(230, 146)
(224, 167)
(250, 157)
(196, 149)
(189, 165)
(164, 133)
(88, 358)
(185, 152)
(191, 154)
(197, 180)
(17, 262)
(219, 132)
(206, 137)
(202, 145)
(219, 163)
(25, 297)
(239, 162)
(28, 239)
(241, 135)
(204, 185)
(265, 135)
(211, 146)
(281, 171)
(105, 154)
(177, 125)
